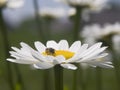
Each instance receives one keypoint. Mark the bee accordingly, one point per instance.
(50, 51)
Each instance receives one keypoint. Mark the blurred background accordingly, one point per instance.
(41, 20)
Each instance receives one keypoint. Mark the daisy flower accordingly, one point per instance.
(106, 33)
(50, 12)
(45, 57)
(116, 43)
(15, 3)
(95, 5)
(11, 3)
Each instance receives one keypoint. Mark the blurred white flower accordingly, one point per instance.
(94, 33)
(76, 2)
(116, 42)
(98, 5)
(60, 53)
(53, 12)
(94, 5)
(14, 3)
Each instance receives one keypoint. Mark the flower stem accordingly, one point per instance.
(38, 21)
(77, 23)
(58, 71)
(47, 80)
(47, 27)
(6, 45)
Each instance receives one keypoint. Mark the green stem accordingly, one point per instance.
(58, 71)
(38, 21)
(98, 78)
(77, 23)
(6, 45)
(47, 79)
(47, 26)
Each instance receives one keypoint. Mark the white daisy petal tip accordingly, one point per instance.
(22, 43)
(10, 60)
(69, 66)
(43, 65)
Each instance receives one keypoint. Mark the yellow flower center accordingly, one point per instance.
(52, 52)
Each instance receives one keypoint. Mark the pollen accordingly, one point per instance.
(65, 53)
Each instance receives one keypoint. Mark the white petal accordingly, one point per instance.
(81, 51)
(63, 45)
(94, 58)
(49, 58)
(39, 46)
(101, 55)
(43, 65)
(26, 49)
(77, 55)
(20, 55)
(37, 56)
(25, 46)
(15, 49)
(52, 44)
(75, 46)
(22, 61)
(94, 53)
(14, 53)
(69, 66)
(83, 48)
(101, 65)
(92, 49)
(59, 59)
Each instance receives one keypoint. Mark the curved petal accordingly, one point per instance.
(52, 44)
(75, 46)
(83, 48)
(37, 56)
(63, 45)
(59, 59)
(15, 49)
(92, 49)
(26, 46)
(104, 65)
(49, 58)
(39, 46)
(98, 51)
(95, 58)
(69, 66)
(23, 61)
(43, 65)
